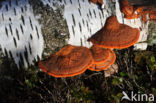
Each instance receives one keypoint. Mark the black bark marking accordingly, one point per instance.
(34, 60)
(17, 55)
(10, 53)
(37, 32)
(94, 13)
(83, 22)
(90, 13)
(14, 11)
(107, 11)
(79, 11)
(21, 28)
(38, 58)
(17, 2)
(60, 0)
(10, 3)
(25, 8)
(15, 43)
(6, 6)
(26, 55)
(53, 4)
(6, 53)
(10, 29)
(73, 30)
(9, 19)
(22, 18)
(87, 25)
(90, 31)
(79, 3)
(88, 16)
(20, 64)
(71, 2)
(30, 51)
(31, 37)
(17, 34)
(100, 15)
(101, 24)
(73, 20)
(6, 31)
(22, 10)
(3, 16)
(21, 59)
(81, 42)
(80, 27)
(31, 23)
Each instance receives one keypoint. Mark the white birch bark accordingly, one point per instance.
(30, 28)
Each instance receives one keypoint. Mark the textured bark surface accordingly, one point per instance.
(32, 85)
(54, 27)
(60, 22)
(21, 36)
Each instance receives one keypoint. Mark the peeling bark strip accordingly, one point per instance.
(16, 26)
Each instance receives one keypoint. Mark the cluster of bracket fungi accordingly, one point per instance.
(74, 60)
(137, 11)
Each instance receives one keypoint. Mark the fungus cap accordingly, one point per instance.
(152, 16)
(99, 54)
(128, 9)
(69, 61)
(144, 8)
(111, 59)
(105, 64)
(115, 35)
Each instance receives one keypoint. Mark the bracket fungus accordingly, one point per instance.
(128, 10)
(68, 61)
(102, 62)
(135, 11)
(99, 54)
(115, 35)
(111, 59)
(152, 16)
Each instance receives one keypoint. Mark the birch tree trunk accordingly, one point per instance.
(33, 29)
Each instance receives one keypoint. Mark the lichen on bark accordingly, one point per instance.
(54, 27)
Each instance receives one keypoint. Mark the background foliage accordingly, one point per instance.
(137, 72)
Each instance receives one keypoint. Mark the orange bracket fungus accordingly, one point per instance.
(102, 57)
(111, 59)
(115, 35)
(99, 55)
(128, 9)
(152, 16)
(136, 11)
(67, 62)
